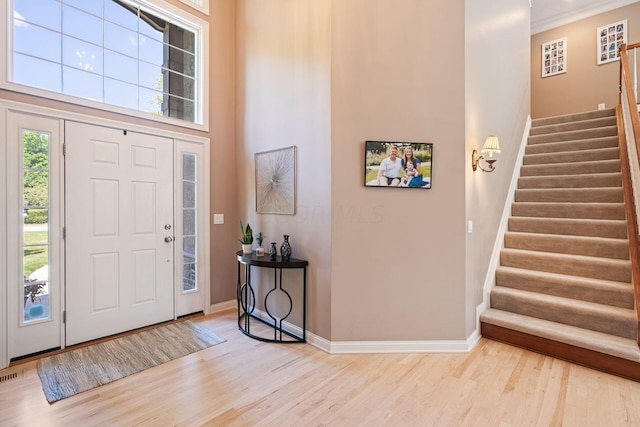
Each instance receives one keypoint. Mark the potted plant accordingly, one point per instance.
(247, 238)
(260, 238)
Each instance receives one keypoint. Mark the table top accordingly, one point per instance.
(265, 261)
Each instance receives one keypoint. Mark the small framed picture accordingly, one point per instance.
(554, 57)
(609, 38)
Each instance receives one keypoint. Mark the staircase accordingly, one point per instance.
(564, 286)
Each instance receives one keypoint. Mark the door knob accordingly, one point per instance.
(168, 239)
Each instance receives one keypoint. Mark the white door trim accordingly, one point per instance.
(99, 121)
(4, 348)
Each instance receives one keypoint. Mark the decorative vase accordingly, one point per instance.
(246, 249)
(273, 252)
(285, 249)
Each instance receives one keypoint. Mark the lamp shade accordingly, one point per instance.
(491, 145)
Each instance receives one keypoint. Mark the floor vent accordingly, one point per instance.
(8, 377)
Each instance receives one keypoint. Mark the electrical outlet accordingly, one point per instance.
(218, 218)
(601, 106)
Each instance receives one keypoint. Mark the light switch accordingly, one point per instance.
(470, 226)
(218, 218)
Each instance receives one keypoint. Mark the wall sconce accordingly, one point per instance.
(491, 146)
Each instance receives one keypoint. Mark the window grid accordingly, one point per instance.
(163, 96)
(189, 224)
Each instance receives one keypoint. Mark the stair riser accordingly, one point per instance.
(612, 211)
(602, 248)
(596, 268)
(578, 168)
(574, 135)
(612, 229)
(579, 195)
(584, 144)
(571, 126)
(568, 315)
(575, 181)
(589, 115)
(571, 157)
(567, 287)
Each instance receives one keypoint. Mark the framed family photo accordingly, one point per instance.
(276, 181)
(398, 164)
(609, 39)
(554, 57)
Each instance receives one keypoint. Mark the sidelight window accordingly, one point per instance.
(35, 231)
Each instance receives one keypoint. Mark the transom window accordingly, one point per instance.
(122, 53)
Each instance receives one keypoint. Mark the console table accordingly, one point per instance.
(247, 300)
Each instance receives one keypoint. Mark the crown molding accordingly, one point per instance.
(576, 15)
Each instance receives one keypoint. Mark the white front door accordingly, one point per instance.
(119, 231)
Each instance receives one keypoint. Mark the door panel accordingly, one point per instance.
(119, 198)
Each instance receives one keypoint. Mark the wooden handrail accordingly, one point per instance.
(632, 219)
(632, 223)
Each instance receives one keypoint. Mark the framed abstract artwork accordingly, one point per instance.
(609, 39)
(554, 57)
(276, 181)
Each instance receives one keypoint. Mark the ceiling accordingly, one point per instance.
(548, 14)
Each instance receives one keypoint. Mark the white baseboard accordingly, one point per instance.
(365, 347)
(222, 306)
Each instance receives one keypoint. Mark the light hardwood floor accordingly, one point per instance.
(244, 382)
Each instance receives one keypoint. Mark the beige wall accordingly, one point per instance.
(222, 121)
(398, 256)
(283, 99)
(585, 84)
(326, 75)
(497, 102)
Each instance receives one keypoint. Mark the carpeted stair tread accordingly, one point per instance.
(570, 245)
(588, 315)
(571, 168)
(610, 153)
(619, 294)
(586, 115)
(577, 265)
(569, 210)
(564, 146)
(612, 179)
(564, 279)
(573, 135)
(579, 337)
(577, 195)
(574, 125)
(616, 229)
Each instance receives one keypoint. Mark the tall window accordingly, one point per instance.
(190, 232)
(35, 235)
(117, 52)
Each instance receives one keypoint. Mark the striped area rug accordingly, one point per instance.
(79, 370)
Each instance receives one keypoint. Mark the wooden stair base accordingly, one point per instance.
(581, 356)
